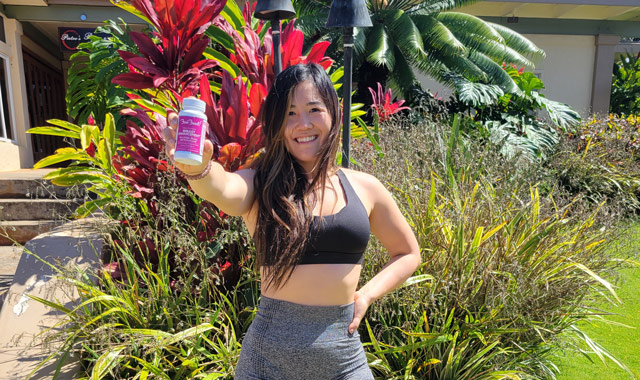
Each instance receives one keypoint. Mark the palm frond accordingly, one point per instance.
(438, 35)
(500, 52)
(380, 48)
(518, 42)
(406, 35)
(360, 41)
(462, 24)
(495, 72)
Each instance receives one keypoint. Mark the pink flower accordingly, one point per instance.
(382, 103)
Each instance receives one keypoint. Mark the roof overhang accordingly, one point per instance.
(612, 10)
(68, 13)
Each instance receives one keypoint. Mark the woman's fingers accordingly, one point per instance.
(361, 304)
(169, 133)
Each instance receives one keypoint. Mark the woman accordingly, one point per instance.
(311, 223)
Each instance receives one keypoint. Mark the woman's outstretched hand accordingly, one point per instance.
(169, 135)
(361, 304)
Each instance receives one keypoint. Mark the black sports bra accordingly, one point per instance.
(340, 238)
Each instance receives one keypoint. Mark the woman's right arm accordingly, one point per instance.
(230, 192)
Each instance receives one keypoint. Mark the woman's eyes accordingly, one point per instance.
(314, 109)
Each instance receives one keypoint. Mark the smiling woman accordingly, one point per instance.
(308, 125)
(311, 223)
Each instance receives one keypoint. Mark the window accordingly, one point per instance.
(6, 130)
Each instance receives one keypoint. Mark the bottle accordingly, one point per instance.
(191, 133)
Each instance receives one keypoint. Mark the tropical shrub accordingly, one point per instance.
(600, 162)
(508, 269)
(511, 120)
(625, 89)
(90, 92)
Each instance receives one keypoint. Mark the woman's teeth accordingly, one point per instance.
(306, 139)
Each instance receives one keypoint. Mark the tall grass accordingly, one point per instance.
(507, 268)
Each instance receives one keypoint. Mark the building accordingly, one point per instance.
(580, 37)
(34, 56)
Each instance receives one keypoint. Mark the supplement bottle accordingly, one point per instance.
(191, 132)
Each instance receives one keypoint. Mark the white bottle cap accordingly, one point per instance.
(194, 104)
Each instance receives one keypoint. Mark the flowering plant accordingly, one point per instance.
(381, 103)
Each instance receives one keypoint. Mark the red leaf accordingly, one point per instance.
(134, 81)
(148, 48)
(194, 54)
(145, 65)
(256, 98)
(229, 153)
(317, 51)
(292, 40)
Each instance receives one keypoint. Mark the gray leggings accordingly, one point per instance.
(289, 341)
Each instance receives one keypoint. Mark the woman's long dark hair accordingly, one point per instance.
(281, 186)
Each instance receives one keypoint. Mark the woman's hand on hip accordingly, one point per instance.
(169, 135)
(361, 304)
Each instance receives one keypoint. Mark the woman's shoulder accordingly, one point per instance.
(369, 189)
(361, 178)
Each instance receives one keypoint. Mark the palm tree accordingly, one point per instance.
(457, 49)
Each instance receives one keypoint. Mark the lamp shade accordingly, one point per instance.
(348, 13)
(274, 9)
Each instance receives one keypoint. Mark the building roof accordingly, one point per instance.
(614, 10)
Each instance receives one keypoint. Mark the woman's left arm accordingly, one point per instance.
(395, 234)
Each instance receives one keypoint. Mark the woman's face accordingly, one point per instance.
(307, 126)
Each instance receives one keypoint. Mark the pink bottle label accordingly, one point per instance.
(189, 134)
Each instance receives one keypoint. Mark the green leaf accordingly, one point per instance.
(416, 280)
(106, 362)
(233, 14)
(223, 61)
(65, 124)
(77, 155)
(53, 131)
(109, 133)
(217, 35)
(151, 105)
(79, 178)
(86, 136)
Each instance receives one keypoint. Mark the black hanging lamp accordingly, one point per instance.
(347, 14)
(275, 10)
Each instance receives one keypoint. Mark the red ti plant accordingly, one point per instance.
(234, 129)
(255, 59)
(383, 105)
(175, 64)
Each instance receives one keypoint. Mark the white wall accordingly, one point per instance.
(567, 71)
(16, 154)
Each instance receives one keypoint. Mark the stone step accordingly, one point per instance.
(30, 188)
(21, 231)
(36, 209)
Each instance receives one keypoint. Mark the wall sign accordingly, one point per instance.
(70, 38)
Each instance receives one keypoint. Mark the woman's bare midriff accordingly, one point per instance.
(318, 285)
